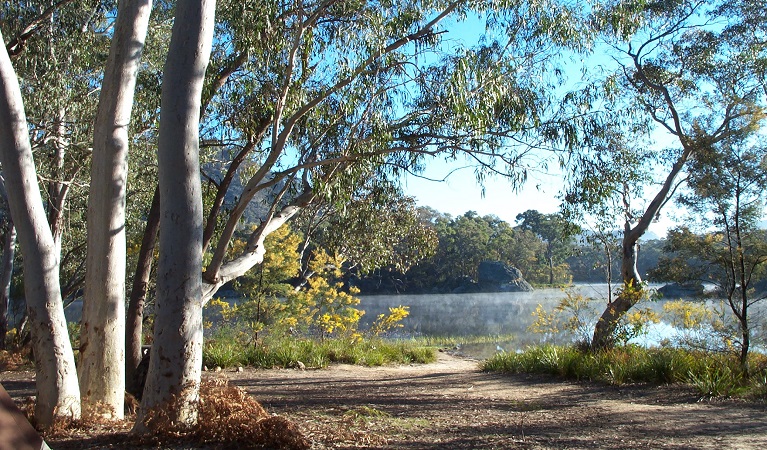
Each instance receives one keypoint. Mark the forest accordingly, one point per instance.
(153, 154)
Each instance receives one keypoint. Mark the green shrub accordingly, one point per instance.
(715, 381)
(222, 353)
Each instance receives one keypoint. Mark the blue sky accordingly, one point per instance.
(460, 192)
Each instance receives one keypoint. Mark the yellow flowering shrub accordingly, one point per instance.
(686, 315)
(324, 304)
(545, 322)
(388, 322)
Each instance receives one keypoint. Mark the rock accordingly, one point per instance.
(218, 369)
(678, 290)
(495, 276)
(300, 365)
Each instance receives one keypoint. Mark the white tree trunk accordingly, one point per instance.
(102, 344)
(58, 393)
(176, 358)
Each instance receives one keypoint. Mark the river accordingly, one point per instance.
(507, 316)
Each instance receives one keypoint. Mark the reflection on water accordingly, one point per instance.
(490, 314)
(506, 315)
(471, 314)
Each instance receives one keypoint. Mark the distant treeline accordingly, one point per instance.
(545, 248)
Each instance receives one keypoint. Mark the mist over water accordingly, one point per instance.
(488, 314)
(471, 314)
(508, 316)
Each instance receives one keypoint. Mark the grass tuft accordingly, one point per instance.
(712, 375)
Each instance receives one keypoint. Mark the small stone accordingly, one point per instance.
(300, 365)
(218, 369)
(205, 369)
(240, 369)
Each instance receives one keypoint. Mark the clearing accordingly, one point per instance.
(452, 405)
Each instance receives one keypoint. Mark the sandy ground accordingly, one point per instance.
(452, 405)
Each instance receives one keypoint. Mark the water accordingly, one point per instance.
(471, 314)
(506, 314)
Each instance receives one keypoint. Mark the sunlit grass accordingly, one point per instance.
(451, 341)
(289, 352)
(712, 374)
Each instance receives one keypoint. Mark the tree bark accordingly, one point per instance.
(58, 394)
(176, 356)
(135, 315)
(102, 344)
(6, 266)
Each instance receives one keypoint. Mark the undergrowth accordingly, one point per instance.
(227, 351)
(711, 374)
(228, 415)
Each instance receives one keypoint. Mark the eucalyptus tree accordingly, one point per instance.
(102, 340)
(176, 364)
(369, 107)
(466, 241)
(59, 53)
(323, 94)
(57, 389)
(685, 73)
(56, 53)
(555, 232)
(318, 95)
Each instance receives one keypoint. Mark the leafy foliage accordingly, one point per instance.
(378, 228)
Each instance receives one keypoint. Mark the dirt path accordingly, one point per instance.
(452, 405)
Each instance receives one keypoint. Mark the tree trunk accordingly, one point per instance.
(551, 270)
(102, 347)
(58, 394)
(606, 326)
(6, 266)
(57, 189)
(135, 315)
(745, 344)
(176, 356)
